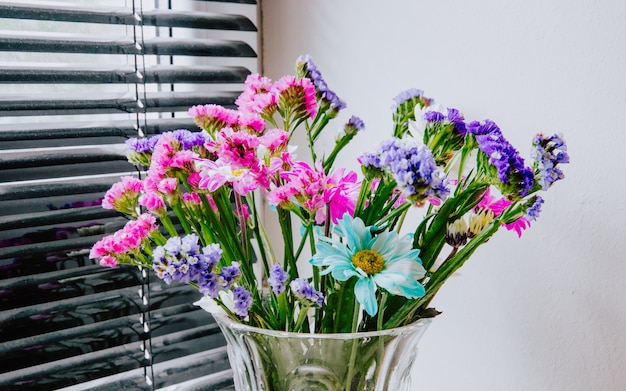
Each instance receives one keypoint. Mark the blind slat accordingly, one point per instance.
(97, 45)
(111, 103)
(123, 128)
(201, 20)
(157, 74)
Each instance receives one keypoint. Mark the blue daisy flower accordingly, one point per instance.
(385, 260)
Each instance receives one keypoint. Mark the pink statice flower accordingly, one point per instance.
(125, 244)
(235, 148)
(296, 95)
(213, 118)
(153, 202)
(250, 121)
(256, 96)
(123, 195)
(167, 186)
(314, 191)
(275, 140)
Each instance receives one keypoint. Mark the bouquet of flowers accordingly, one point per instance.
(196, 217)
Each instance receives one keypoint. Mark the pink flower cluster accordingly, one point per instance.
(123, 195)
(291, 94)
(124, 242)
(313, 190)
(497, 206)
(244, 160)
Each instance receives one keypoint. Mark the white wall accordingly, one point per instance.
(547, 311)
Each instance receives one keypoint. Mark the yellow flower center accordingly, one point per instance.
(238, 172)
(369, 261)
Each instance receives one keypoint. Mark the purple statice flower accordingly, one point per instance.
(189, 139)
(458, 120)
(413, 167)
(181, 259)
(229, 274)
(434, 116)
(303, 290)
(406, 95)
(532, 213)
(503, 156)
(310, 70)
(354, 125)
(242, 300)
(370, 160)
(143, 144)
(548, 152)
(277, 279)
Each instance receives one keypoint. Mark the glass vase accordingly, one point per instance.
(283, 361)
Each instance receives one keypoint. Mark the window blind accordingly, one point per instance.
(77, 78)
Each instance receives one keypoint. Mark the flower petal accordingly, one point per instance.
(365, 292)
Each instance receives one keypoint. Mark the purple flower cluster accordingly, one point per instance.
(277, 279)
(190, 139)
(303, 290)
(182, 259)
(354, 125)
(532, 213)
(548, 153)
(311, 71)
(503, 156)
(242, 300)
(412, 166)
(405, 96)
(455, 117)
(142, 145)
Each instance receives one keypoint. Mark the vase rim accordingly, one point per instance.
(421, 323)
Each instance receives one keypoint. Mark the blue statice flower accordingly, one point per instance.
(303, 290)
(370, 160)
(406, 95)
(242, 301)
(140, 149)
(413, 167)
(229, 274)
(458, 120)
(354, 125)
(386, 260)
(181, 259)
(434, 116)
(532, 213)
(277, 279)
(503, 156)
(307, 68)
(189, 139)
(548, 152)
(143, 144)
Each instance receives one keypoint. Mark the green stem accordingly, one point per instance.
(351, 363)
(410, 308)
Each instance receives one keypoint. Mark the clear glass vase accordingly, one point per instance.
(281, 361)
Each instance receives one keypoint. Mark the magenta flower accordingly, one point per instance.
(497, 206)
(213, 118)
(124, 244)
(123, 195)
(250, 121)
(297, 95)
(153, 202)
(256, 96)
(216, 174)
(313, 191)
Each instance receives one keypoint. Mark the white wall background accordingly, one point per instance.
(547, 311)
